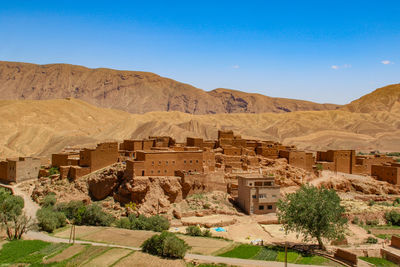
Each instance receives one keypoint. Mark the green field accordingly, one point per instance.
(379, 262)
(40, 253)
(246, 251)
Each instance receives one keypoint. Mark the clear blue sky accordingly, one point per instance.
(324, 51)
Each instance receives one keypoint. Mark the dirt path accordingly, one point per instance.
(242, 262)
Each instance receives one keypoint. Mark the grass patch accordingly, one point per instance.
(243, 251)
(272, 253)
(379, 262)
(23, 251)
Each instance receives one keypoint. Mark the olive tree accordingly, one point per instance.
(314, 213)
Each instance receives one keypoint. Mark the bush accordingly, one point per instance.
(372, 222)
(193, 231)
(392, 217)
(196, 231)
(166, 245)
(371, 202)
(356, 220)
(49, 219)
(396, 202)
(53, 170)
(372, 240)
(48, 201)
(85, 215)
(155, 223)
(123, 223)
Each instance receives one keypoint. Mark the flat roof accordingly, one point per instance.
(168, 151)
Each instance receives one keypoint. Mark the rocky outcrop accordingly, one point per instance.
(104, 183)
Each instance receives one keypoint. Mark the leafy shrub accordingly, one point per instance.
(396, 201)
(371, 202)
(123, 223)
(193, 231)
(372, 240)
(155, 223)
(48, 201)
(85, 215)
(392, 217)
(53, 170)
(356, 220)
(166, 245)
(320, 167)
(49, 219)
(372, 222)
(196, 231)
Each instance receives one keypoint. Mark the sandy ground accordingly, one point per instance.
(278, 234)
(139, 259)
(108, 258)
(67, 253)
(212, 219)
(80, 231)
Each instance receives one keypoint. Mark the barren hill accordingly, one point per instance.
(32, 127)
(133, 91)
(383, 99)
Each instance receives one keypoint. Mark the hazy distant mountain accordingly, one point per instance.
(134, 91)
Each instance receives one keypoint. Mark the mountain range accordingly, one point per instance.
(39, 127)
(134, 91)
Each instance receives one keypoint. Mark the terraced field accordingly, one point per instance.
(39, 253)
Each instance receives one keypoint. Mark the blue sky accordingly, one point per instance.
(323, 51)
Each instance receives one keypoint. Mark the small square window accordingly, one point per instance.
(166, 162)
(159, 162)
(191, 162)
(158, 171)
(261, 207)
(152, 171)
(270, 207)
(197, 161)
(184, 161)
(254, 196)
(152, 163)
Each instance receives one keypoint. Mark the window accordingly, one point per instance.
(165, 171)
(190, 162)
(152, 171)
(261, 207)
(159, 162)
(173, 162)
(250, 184)
(274, 196)
(197, 161)
(262, 196)
(254, 196)
(258, 183)
(184, 161)
(267, 183)
(158, 171)
(142, 173)
(152, 163)
(166, 162)
(270, 207)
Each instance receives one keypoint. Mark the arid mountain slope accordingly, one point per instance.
(383, 99)
(133, 91)
(33, 127)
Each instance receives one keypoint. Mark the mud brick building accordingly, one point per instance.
(65, 159)
(162, 141)
(19, 169)
(388, 172)
(194, 141)
(167, 162)
(364, 163)
(257, 194)
(298, 159)
(88, 160)
(337, 160)
(103, 155)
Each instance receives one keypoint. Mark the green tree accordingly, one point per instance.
(314, 213)
(166, 245)
(12, 219)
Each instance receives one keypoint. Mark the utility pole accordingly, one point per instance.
(286, 245)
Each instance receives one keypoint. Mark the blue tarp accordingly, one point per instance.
(219, 229)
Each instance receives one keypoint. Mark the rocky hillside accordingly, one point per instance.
(383, 99)
(133, 91)
(33, 127)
